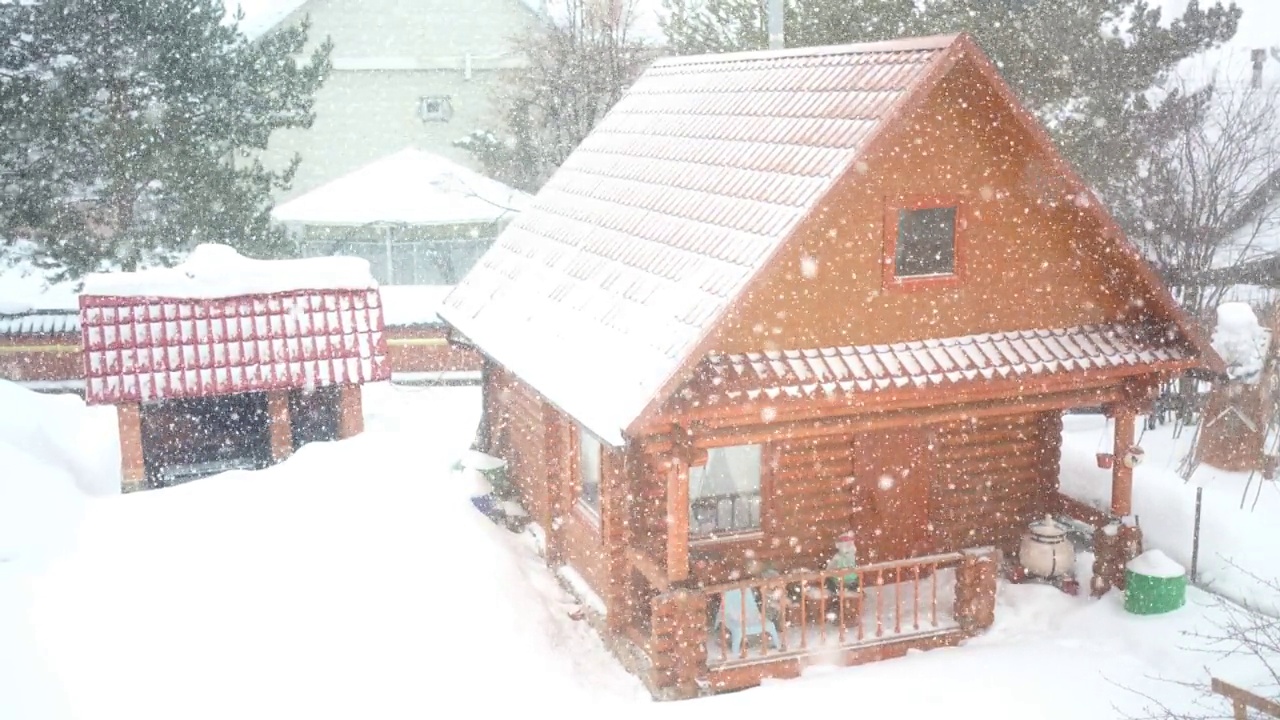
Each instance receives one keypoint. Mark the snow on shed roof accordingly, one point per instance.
(260, 16)
(39, 322)
(24, 288)
(409, 305)
(408, 187)
(218, 271)
(598, 291)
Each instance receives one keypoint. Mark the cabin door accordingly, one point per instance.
(893, 478)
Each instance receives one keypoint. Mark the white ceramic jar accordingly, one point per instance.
(1045, 551)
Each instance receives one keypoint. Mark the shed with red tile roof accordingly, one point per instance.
(776, 297)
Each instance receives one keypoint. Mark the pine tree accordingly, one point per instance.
(1083, 66)
(713, 26)
(134, 127)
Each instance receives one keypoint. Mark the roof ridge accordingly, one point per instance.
(926, 42)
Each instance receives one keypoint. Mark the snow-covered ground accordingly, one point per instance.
(356, 580)
(1238, 528)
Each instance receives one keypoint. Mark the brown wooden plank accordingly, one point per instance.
(677, 555)
(1241, 698)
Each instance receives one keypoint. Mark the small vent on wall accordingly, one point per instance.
(435, 108)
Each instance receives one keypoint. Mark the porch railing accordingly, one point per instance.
(693, 643)
(806, 612)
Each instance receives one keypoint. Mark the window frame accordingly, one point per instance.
(959, 231)
(755, 533)
(443, 114)
(579, 501)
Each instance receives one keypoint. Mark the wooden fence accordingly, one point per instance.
(1242, 700)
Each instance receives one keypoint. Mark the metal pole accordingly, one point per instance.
(1195, 537)
(775, 25)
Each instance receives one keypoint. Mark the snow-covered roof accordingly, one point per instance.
(139, 349)
(600, 290)
(218, 271)
(260, 16)
(406, 305)
(410, 187)
(49, 322)
(24, 288)
(611, 283)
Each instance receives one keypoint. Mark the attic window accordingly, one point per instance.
(435, 108)
(923, 242)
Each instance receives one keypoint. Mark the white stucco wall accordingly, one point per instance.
(387, 55)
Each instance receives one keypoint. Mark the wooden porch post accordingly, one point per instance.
(977, 579)
(133, 470)
(281, 425)
(1120, 541)
(617, 486)
(1121, 473)
(678, 520)
(350, 412)
(558, 449)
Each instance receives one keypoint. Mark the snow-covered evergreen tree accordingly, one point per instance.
(131, 128)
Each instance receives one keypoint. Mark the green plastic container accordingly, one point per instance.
(1154, 584)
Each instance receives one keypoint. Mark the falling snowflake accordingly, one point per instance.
(886, 482)
(768, 414)
(809, 267)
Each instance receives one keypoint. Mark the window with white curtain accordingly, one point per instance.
(724, 493)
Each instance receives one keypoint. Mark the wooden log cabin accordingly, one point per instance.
(224, 362)
(776, 298)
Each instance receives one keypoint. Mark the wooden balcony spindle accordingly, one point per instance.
(764, 618)
(784, 616)
(915, 597)
(804, 610)
(862, 598)
(897, 600)
(879, 602)
(742, 621)
(842, 604)
(822, 607)
(724, 631)
(933, 574)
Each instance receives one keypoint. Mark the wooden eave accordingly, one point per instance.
(681, 412)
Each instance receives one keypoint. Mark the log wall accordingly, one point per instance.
(427, 349)
(518, 435)
(993, 477)
(535, 439)
(972, 484)
(35, 358)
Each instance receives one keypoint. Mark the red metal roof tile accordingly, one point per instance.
(141, 348)
(921, 364)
